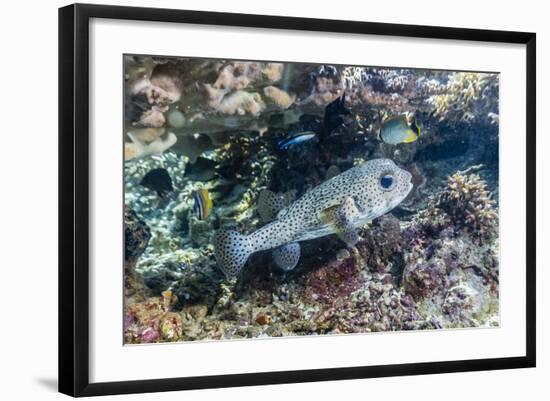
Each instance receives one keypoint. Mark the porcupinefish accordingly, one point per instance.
(397, 130)
(270, 203)
(337, 206)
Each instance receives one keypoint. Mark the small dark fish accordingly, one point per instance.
(203, 203)
(296, 139)
(158, 180)
(336, 114)
(202, 170)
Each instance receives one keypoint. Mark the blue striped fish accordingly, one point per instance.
(203, 203)
(296, 139)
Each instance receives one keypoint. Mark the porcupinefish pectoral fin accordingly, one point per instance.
(341, 217)
(232, 251)
(270, 204)
(287, 256)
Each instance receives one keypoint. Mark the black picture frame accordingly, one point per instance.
(74, 198)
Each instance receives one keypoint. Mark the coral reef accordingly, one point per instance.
(454, 282)
(465, 94)
(151, 321)
(138, 148)
(240, 103)
(216, 125)
(282, 99)
(337, 279)
(381, 244)
(465, 205)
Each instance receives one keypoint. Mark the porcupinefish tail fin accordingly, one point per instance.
(270, 204)
(341, 217)
(232, 251)
(287, 256)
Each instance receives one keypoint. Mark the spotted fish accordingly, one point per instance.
(337, 206)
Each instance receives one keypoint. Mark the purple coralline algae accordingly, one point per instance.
(152, 321)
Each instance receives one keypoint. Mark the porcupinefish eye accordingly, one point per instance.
(387, 182)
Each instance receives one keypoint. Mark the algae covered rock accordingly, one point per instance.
(152, 321)
(136, 235)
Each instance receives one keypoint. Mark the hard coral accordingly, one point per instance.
(241, 103)
(278, 96)
(273, 71)
(465, 204)
(232, 78)
(466, 91)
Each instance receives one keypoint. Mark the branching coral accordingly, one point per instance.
(466, 205)
(466, 95)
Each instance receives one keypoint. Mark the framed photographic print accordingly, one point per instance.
(249, 199)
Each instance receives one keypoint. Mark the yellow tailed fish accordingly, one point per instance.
(397, 130)
(203, 203)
